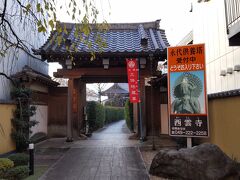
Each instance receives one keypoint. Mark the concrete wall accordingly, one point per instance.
(6, 112)
(210, 28)
(6, 142)
(42, 117)
(225, 124)
(36, 86)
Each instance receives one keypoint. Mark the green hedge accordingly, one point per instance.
(113, 114)
(17, 173)
(99, 115)
(11, 170)
(129, 114)
(96, 115)
(5, 164)
(19, 159)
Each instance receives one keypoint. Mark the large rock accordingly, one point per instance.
(202, 162)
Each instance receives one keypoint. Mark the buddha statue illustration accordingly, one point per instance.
(186, 91)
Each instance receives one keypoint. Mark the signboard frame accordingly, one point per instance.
(187, 91)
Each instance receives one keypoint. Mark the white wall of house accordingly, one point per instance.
(41, 116)
(10, 64)
(210, 28)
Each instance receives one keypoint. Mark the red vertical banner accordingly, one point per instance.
(132, 71)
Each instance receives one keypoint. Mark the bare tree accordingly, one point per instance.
(98, 88)
(91, 94)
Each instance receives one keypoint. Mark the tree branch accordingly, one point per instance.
(17, 45)
(24, 7)
(2, 15)
(9, 78)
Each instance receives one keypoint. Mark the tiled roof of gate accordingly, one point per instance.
(120, 38)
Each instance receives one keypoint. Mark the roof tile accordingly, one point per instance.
(119, 38)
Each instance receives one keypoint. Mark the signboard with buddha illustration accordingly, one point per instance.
(187, 91)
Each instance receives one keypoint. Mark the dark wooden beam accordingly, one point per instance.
(77, 73)
(104, 79)
(112, 72)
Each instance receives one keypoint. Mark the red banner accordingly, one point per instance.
(132, 70)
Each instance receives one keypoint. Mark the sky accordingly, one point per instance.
(174, 14)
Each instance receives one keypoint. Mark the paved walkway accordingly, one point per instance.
(108, 154)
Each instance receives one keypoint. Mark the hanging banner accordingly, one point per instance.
(187, 91)
(132, 71)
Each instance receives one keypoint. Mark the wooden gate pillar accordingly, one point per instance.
(143, 105)
(81, 104)
(69, 110)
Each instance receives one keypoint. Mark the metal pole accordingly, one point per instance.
(140, 104)
(31, 159)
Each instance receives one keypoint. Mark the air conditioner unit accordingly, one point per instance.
(230, 70)
(223, 73)
(237, 67)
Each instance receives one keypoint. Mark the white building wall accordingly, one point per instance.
(11, 64)
(41, 116)
(210, 28)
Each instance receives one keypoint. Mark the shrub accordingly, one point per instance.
(100, 115)
(95, 114)
(19, 159)
(17, 173)
(129, 114)
(21, 121)
(113, 114)
(5, 164)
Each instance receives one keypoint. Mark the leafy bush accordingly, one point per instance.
(100, 116)
(21, 92)
(113, 114)
(21, 121)
(95, 114)
(19, 159)
(17, 173)
(129, 114)
(5, 164)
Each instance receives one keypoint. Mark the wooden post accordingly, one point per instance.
(82, 104)
(69, 111)
(152, 105)
(189, 142)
